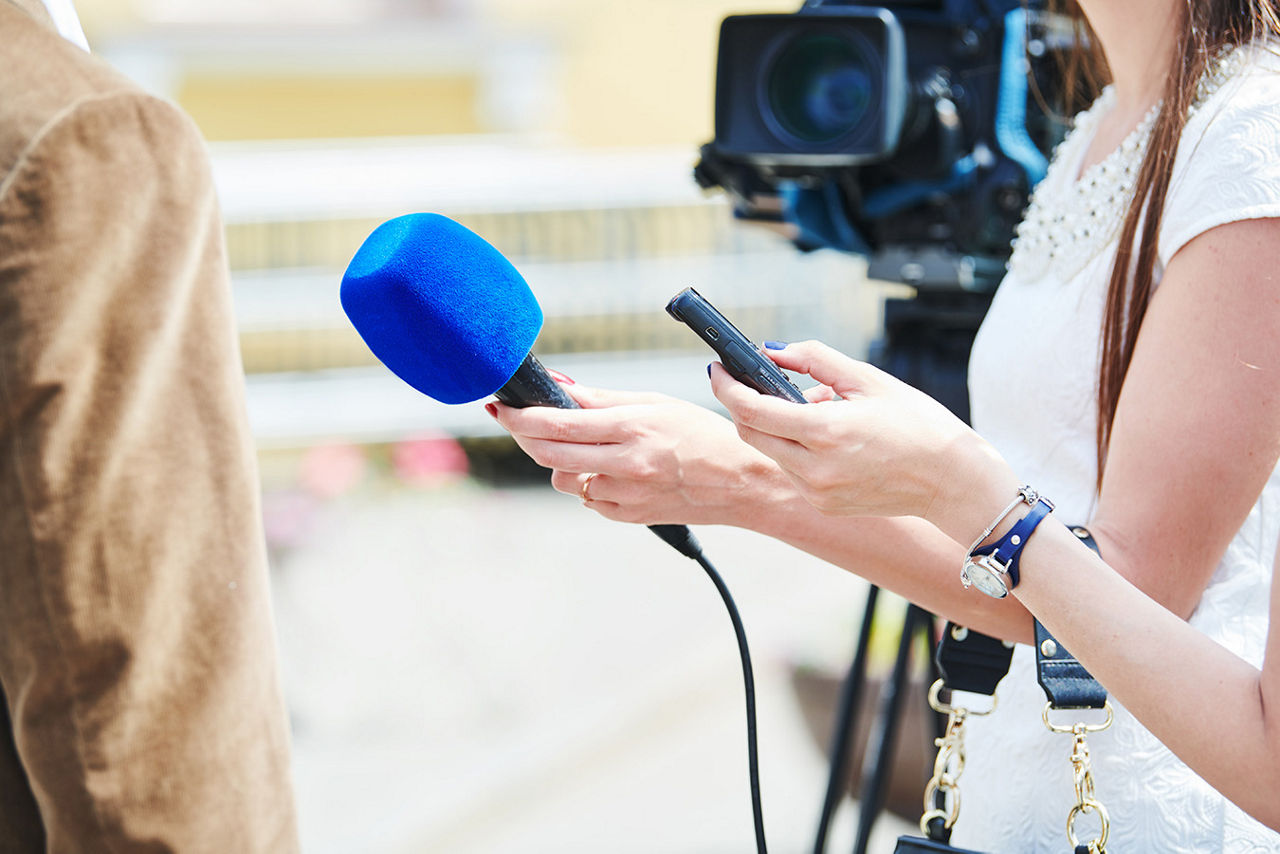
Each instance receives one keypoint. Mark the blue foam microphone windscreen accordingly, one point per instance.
(451, 317)
(440, 307)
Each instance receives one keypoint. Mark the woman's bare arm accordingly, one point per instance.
(1197, 430)
(1218, 713)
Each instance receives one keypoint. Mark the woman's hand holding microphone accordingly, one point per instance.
(648, 458)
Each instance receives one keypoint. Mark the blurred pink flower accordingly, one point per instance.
(330, 470)
(429, 460)
(287, 517)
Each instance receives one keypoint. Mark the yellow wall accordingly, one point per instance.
(644, 73)
(104, 17)
(634, 73)
(271, 106)
(623, 72)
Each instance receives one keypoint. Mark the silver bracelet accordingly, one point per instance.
(1026, 495)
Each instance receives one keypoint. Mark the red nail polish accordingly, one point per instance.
(559, 377)
(491, 409)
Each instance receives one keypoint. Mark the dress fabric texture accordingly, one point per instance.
(1033, 383)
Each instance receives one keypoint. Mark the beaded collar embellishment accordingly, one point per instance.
(1063, 229)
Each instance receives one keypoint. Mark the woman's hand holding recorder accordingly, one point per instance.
(874, 446)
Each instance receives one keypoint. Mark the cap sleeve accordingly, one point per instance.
(1228, 163)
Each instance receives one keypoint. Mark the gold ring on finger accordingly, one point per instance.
(584, 491)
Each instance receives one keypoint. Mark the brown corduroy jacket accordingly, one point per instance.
(137, 656)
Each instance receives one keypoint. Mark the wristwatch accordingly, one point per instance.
(993, 569)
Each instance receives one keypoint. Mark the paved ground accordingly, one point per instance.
(473, 670)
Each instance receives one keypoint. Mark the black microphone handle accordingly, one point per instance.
(533, 386)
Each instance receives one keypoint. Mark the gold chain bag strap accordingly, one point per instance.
(972, 663)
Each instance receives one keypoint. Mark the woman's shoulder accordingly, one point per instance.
(1227, 166)
(1239, 97)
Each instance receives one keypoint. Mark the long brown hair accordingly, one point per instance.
(1203, 29)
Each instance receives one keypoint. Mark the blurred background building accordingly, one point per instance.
(474, 663)
(563, 131)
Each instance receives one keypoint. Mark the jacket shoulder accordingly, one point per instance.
(42, 78)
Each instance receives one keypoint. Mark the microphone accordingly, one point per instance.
(449, 315)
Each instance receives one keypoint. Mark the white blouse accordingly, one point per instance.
(1033, 387)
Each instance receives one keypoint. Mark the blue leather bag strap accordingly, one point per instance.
(1066, 683)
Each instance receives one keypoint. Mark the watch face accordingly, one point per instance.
(987, 578)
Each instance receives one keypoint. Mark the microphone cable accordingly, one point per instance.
(682, 540)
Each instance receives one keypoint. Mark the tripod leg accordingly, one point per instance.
(879, 759)
(846, 722)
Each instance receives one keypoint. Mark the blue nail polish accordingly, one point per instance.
(775, 345)
(709, 364)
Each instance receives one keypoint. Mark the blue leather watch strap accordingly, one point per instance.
(1066, 682)
(1008, 549)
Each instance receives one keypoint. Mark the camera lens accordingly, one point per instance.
(820, 87)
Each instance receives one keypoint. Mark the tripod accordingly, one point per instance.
(926, 344)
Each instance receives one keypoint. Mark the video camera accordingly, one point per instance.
(911, 132)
